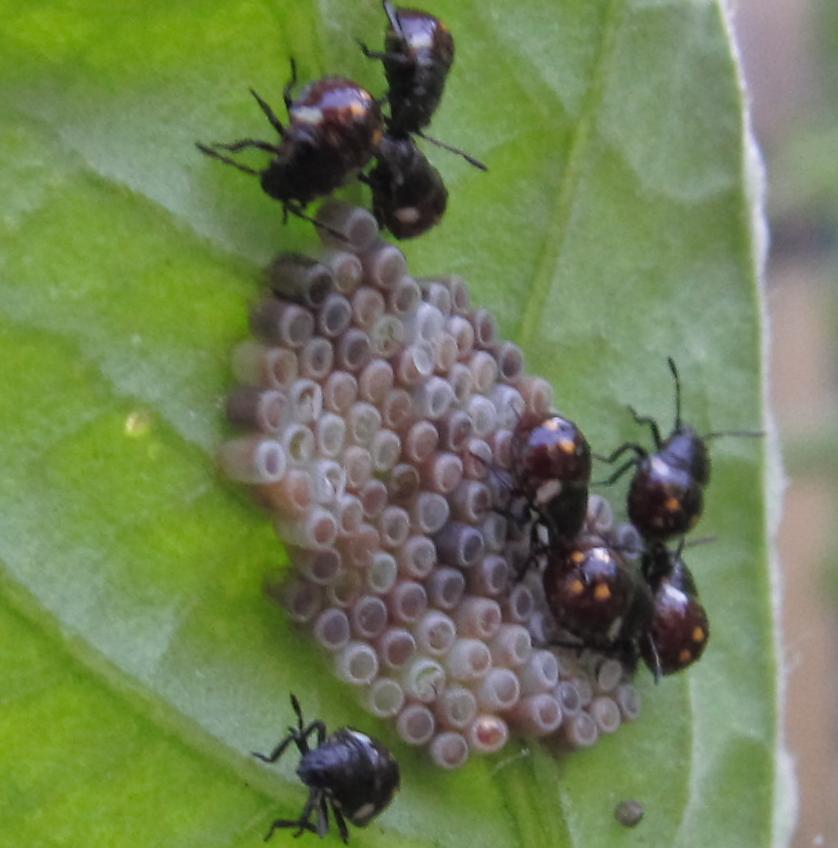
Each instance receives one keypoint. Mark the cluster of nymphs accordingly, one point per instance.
(337, 128)
(381, 419)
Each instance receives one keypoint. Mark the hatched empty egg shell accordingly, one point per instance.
(375, 414)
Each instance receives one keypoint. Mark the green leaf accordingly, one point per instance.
(141, 660)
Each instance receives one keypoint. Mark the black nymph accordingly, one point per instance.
(417, 56)
(666, 493)
(597, 597)
(334, 131)
(418, 53)
(408, 194)
(551, 471)
(348, 772)
(678, 629)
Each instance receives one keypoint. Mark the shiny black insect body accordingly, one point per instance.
(418, 53)
(335, 128)
(666, 493)
(593, 593)
(348, 772)
(599, 598)
(417, 56)
(408, 194)
(552, 470)
(654, 615)
(678, 628)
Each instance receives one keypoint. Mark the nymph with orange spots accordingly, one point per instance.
(602, 601)
(552, 466)
(678, 629)
(666, 494)
(597, 597)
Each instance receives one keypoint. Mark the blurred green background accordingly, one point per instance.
(790, 52)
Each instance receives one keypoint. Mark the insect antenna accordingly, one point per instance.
(393, 17)
(744, 434)
(227, 160)
(298, 213)
(677, 379)
(451, 149)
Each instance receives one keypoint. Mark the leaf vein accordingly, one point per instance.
(533, 311)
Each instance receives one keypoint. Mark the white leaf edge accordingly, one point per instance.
(785, 789)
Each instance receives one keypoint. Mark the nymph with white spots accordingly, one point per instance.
(418, 54)
(335, 127)
(408, 194)
(348, 772)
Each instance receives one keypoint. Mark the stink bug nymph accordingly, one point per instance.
(666, 493)
(602, 601)
(408, 194)
(596, 596)
(348, 772)
(335, 128)
(678, 629)
(418, 53)
(552, 461)
(552, 448)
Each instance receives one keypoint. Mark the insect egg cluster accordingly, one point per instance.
(375, 417)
